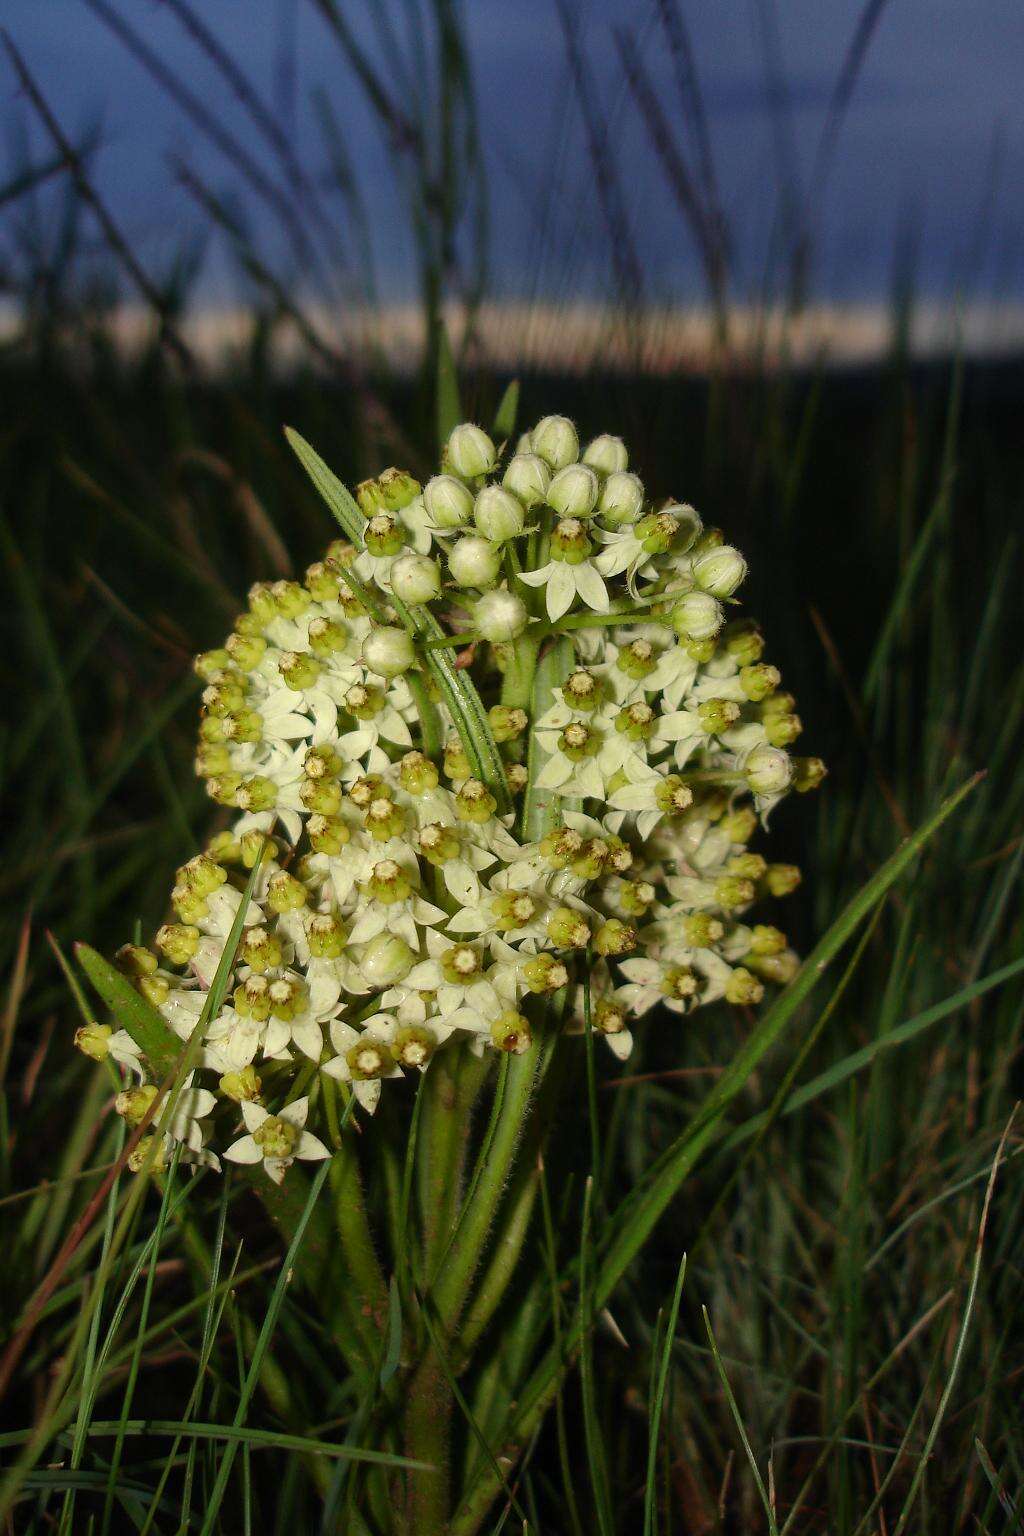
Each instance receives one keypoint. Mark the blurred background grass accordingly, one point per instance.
(879, 504)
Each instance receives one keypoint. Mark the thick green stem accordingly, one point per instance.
(451, 1087)
(361, 1262)
(517, 685)
(428, 1423)
(460, 1264)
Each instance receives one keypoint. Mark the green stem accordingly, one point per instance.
(357, 1246)
(428, 1421)
(449, 1091)
(517, 686)
(461, 1262)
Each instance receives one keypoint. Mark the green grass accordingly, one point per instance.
(842, 1175)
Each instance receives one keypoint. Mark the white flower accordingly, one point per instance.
(364, 1057)
(563, 583)
(276, 1140)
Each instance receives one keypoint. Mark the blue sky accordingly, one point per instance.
(938, 106)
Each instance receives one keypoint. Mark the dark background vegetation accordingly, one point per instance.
(880, 508)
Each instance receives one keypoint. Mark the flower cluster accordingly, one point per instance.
(400, 901)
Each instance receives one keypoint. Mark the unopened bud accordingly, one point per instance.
(606, 454)
(388, 651)
(416, 579)
(242, 1087)
(386, 960)
(500, 615)
(474, 562)
(720, 571)
(469, 451)
(768, 770)
(697, 616)
(808, 773)
(511, 1032)
(528, 478)
(554, 439)
(448, 502)
(498, 514)
(622, 498)
(573, 491)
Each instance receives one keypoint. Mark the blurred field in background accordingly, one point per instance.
(880, 506)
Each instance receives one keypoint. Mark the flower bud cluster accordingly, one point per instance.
(399, 906)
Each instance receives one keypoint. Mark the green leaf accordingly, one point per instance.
(393, 1352)
(449, 408)
(457, 688)
(154, 1038)
(632, 1223)
(330, 487)
(505, 415)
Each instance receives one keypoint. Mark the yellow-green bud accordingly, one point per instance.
(635, 897)
(325, 935)
(622, 499)
(413, 1045)
(288, 997)
(474, 802)
(544, 973)
(285, 893)
(92, 1040)
(134, 1104)
(744, 642)
(256, 794)
(148, 1153)
(456, 763)
(513, 909)
(276, 1138)
(178, 942)
(327, 834)
(438, 843)
(384, 535)
(511, 1032)
(781, 730)
(636, 721)
(701, 930)
(460, 964)
(615, 938)
(609, 1017)
(261, 950)
(242, 1087)
(782, 879)
(749, 866)
(212, 760)
(369, 1058)
(733, 891)
(743, 988)
(136, 961)
(326, 636)
(637, 660)
(298, 670)
(321, 583)
(740, 826)
(657, 532)
(779, 969)
(672, 796)
(582, 690)
(498, 514)
(387, 883)
(246, 651)
(321, 796)
(680, 983)
(567, 929)
(578, 742)
(569, 542)
(397, 488)
(209, 663)
(765, 940)
(808, 773)
(243, 725)
(384, 819)
(758, 681)
(507, 723)
(417, 774)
